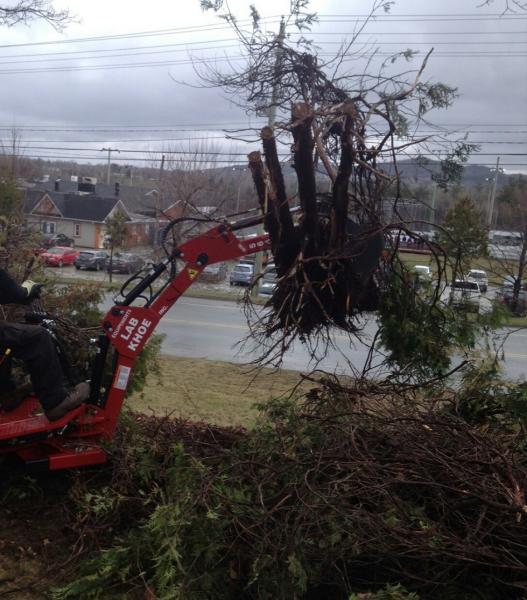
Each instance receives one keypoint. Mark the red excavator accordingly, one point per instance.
(77, 439)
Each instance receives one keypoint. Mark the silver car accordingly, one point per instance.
(242, 274)
(268, 283)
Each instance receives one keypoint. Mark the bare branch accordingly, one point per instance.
(25, 11)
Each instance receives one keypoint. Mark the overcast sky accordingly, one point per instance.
(63, 91)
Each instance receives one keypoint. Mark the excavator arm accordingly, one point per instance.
(77, 439)
(128, 327)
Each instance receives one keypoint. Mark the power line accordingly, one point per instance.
(70, 158)
(124, 140)
(420, 33)
(139, 34)
(37, 58)
(210, 152)
(203, 138)
(124, 52)
(387, 16)
(411, 19)
(167, 63)
(123, 55)
(213, 153)
(126, 48)
(268, 21)
(197, 124)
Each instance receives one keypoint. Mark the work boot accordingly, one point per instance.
(75, 398)
(9, 400)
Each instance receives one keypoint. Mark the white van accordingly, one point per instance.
(423, 272)
(480, 277)
(465, 294)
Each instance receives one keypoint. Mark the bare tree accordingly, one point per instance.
(25, 11)
(116, 232)
(512, 260)
(507, 5)
(11, 151)
(191, 177)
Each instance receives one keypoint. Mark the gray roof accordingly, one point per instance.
(135, 199)
(84, 207)
(30, 198)
(78, 207)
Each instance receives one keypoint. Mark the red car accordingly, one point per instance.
(59, 256)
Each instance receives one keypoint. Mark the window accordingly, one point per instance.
(77, 229)
(48, 227)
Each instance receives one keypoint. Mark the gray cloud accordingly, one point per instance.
(493, 90)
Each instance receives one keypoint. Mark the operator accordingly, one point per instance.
(34, 345)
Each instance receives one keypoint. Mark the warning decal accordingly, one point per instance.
(192, 273)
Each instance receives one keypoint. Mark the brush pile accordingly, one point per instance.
(351, 491)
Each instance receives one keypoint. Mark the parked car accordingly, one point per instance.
(509, 282)
(95, 260)
(215, 272)
(267, 259)
(125, 263)
(268, 281)
(59, 256)
(505, 296)
(465, 294)
(423, 272)
(247, 260)
(480, 277)
(242, 274)
(56, 239)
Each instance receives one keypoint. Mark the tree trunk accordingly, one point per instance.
(275, 203)
(302, 118)
(522, 264)
(339, 209)
(111, 264)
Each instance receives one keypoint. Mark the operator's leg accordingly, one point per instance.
(34, 345)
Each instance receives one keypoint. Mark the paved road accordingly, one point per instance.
(213, 329)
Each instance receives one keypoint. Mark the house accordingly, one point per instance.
(80, 208)
(83, 217)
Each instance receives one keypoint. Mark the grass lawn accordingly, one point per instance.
(199, 291)
(216, 392)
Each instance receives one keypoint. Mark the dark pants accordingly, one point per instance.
(34, 345)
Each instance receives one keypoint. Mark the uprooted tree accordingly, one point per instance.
(335, 256)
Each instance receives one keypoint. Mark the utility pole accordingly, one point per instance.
(492, 194)
(274, 94)
(161, 168)
(433, 204)
(271, 118)
(109, 150)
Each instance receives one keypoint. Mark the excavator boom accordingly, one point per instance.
(77, 439)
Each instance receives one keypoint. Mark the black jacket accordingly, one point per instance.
(10, 291)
